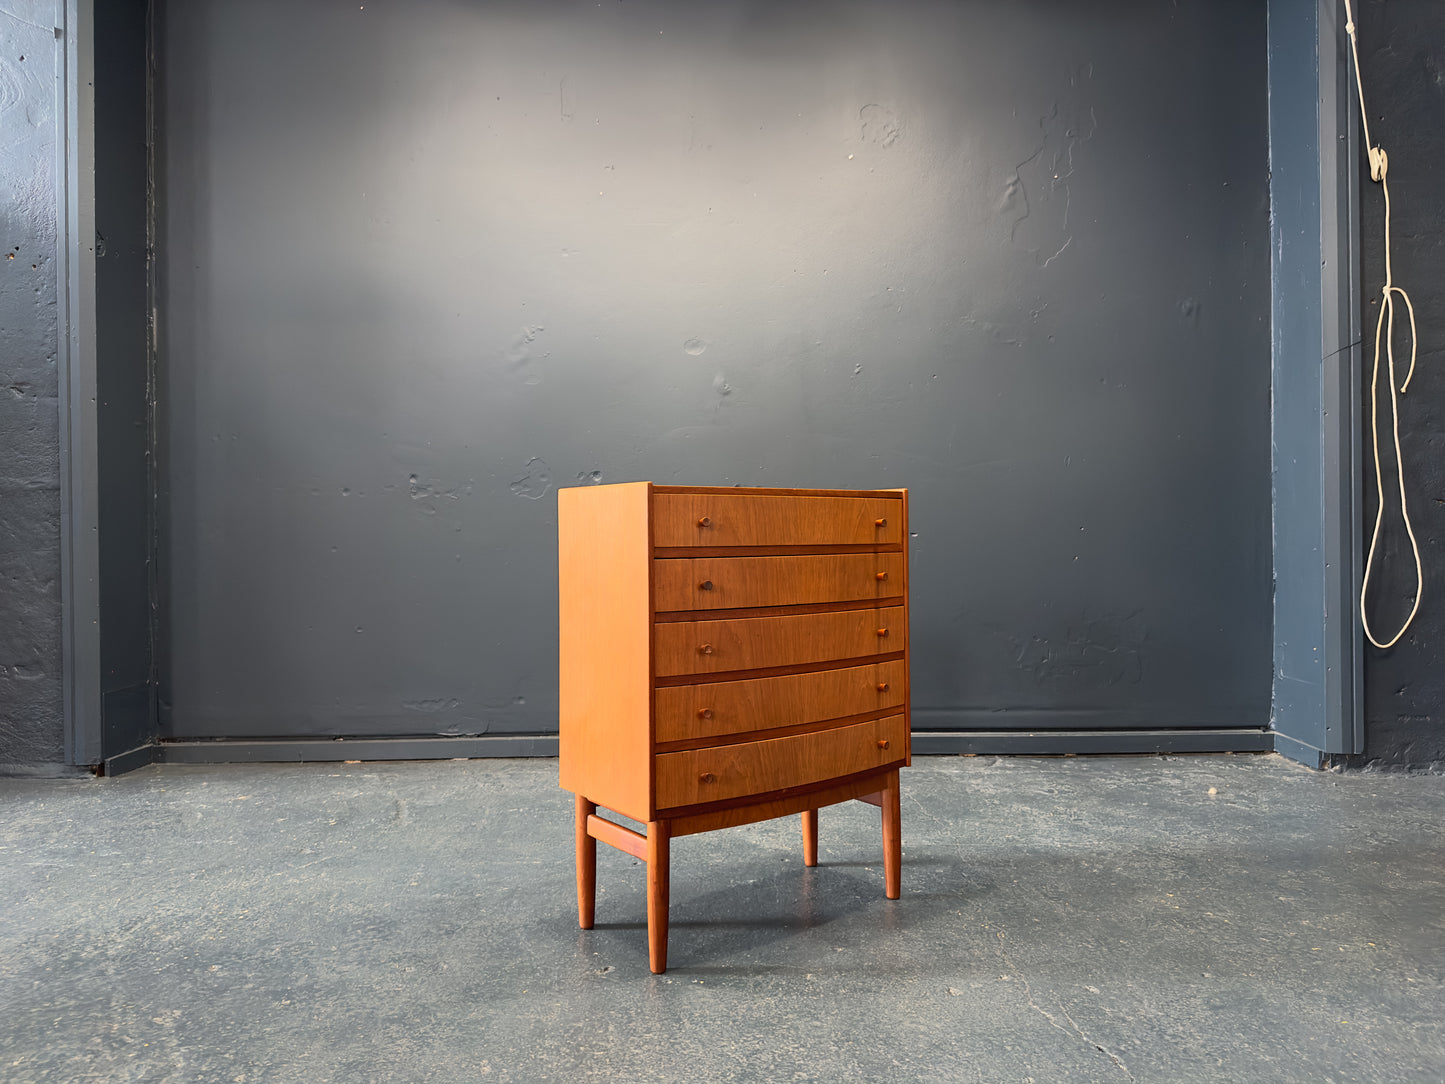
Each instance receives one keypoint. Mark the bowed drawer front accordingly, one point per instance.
(732, 518)
(730, 771)
(720, 583)
(688, 712)
(728, 655)
(751, 643)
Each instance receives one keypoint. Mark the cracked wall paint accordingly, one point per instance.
(1094, 653)
(536, 481)
(432, 496)
(1038, 197)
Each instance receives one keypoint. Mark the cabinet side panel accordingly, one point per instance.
(604, 555)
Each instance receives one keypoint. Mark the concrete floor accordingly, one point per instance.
(1147, 919)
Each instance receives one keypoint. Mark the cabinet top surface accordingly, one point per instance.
(762, 491)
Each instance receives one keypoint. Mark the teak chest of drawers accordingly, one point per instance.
(728, 656)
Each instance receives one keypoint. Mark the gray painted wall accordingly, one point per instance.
(446, 257)
(1404, 69)
(32, 734)
(1404, 687)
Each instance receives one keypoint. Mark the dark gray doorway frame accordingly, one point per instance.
(1314, 194)
(76, 373)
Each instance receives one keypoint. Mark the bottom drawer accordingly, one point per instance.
(756, 767)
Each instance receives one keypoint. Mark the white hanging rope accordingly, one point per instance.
(1379, 168)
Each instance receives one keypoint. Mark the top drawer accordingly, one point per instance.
(745, 519)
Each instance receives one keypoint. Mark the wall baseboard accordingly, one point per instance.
(925, 743)
(1090, 742)
(336, 749)
(129, 761)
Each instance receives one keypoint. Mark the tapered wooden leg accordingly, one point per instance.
(586, 866)
(892, 839)
(810, 837)
(659, 834)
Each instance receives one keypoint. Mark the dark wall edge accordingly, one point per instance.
(123, 208)
(79, 431)
(1343, 357)
(87, 707)
(1318, 670)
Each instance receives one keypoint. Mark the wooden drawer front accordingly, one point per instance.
(715, 583)
(742, 519)
(732, 707)
(749, 643)
(756, 767)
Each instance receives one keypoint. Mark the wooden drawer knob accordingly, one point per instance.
(882, 743)
(706, 649)
(704, 713)
(880, 575)
(880, 522)
(704, 522)
(706, 585)
(707, 777)
(883, 686)
(882, 632)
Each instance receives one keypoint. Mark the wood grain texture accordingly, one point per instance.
(733, 518)
(700, 647)
(892, 839)
(731, 771)
(773, 732)
(720, 708)
(810, 837)
(617, 835)
(605, 694)
(777, 611)
(685, 552)
(658, 877)
(773, 671)
(586, 865)
(718, 583)
(750, 812)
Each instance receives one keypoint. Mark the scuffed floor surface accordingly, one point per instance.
(1110, 919)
